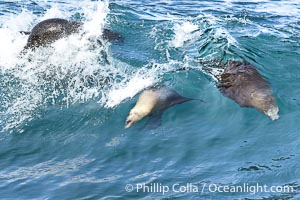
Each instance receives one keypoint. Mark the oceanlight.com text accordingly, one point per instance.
(207, 188)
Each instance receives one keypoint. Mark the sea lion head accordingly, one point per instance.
(134, 116)
(145, 105)
(264, 101)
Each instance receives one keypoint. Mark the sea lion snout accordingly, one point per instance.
(273, 113)
(131, 119)
(264, 101)
(128, 124)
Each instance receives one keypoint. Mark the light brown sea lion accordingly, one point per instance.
(153, 101)
(242, 83)
(51, 30)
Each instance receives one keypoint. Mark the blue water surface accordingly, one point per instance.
(82, 151)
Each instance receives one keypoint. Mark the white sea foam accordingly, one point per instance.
(12, 42)
(282, 8)
(129, 89)
(224, 33)
(184, 32)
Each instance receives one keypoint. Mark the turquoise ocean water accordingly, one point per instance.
(63, 137)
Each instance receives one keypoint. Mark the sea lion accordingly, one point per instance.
(51, 30)
(152, 102)
(242, 83)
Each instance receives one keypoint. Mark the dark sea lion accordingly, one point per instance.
(153, 101)
(242, 83)
(51, 30)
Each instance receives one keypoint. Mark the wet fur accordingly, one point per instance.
(51, 30)
(242, 83)
(152, 102)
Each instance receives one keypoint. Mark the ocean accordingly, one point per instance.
(62, 134)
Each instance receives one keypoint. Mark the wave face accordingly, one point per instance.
(63, 107)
